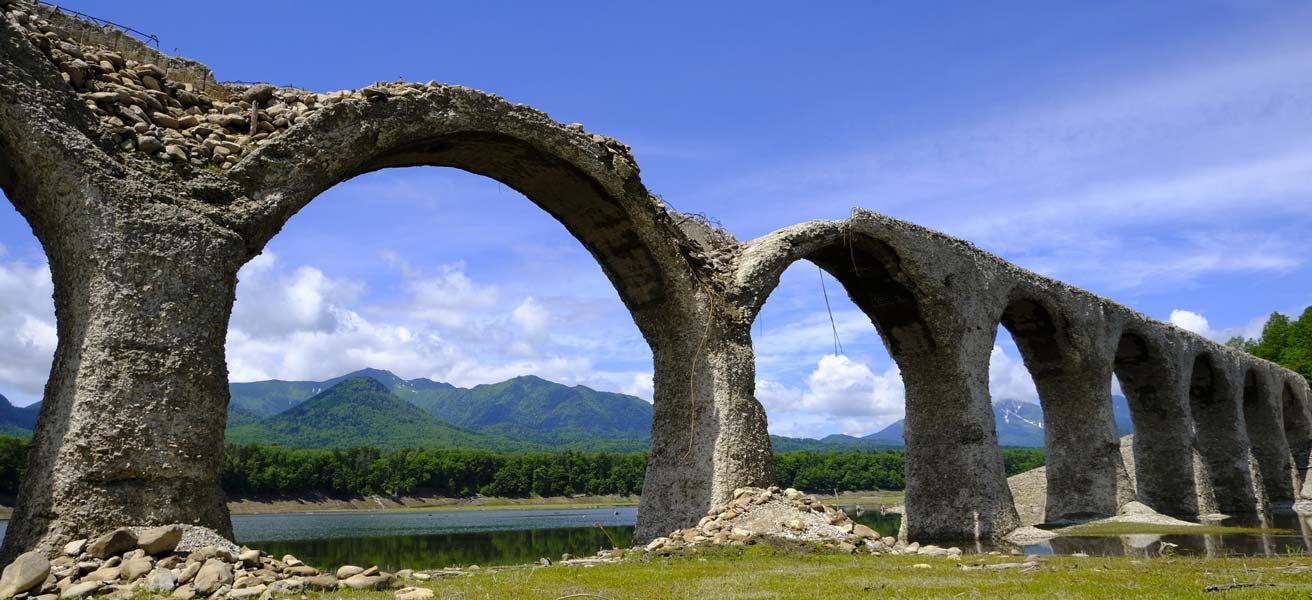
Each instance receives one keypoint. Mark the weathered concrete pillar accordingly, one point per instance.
(131, 427)
(1266, 437)
(956, 483)
(1298, 432)
(131, 424)
(1222, 443)
(1072, 371)
(1158, 394)
(708, 431)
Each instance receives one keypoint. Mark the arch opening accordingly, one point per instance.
(816, 376)
(27, 319)
(435, 273)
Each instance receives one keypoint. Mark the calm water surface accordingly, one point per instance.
(431, 540)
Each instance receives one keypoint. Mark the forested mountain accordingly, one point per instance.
(535, 409)
(17, 420)
(361, 412)
(526, 409)
(531, 412)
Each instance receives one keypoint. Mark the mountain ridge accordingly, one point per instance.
(363, 412)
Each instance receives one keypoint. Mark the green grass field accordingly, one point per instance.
(759, 572)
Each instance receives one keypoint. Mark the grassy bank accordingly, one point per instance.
(762, 573)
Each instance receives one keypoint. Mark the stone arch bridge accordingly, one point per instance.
(149, 185)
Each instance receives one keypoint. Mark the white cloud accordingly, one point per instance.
(641, 385)
(448, 298)
(777, 397)
(531, 317)
(1192, 321)
(845, 395)
(27, 329)
(298, 323)
(1009, 379)
(840, 390)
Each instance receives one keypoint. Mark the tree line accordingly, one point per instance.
(1285, 342)
(272, 470)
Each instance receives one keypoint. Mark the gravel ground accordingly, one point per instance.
(194, 538)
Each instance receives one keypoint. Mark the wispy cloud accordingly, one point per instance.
(1095, 184)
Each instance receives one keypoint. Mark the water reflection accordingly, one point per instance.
(1297, 540)
(452, 549)
(445, 539)
(432, 540)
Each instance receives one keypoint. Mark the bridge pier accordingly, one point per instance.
(1083, 458)
(1266, 436)
(708, 433)
(1222, 444)
(1298, 432)
(1163, 437)
(956, 486)
(131, 427)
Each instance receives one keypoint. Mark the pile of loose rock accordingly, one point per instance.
(171, 560)
(140, 108)
(755, 514)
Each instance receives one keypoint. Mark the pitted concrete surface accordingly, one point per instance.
(149, 185)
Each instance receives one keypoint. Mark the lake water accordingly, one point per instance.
(432, 540)
(1296, 539)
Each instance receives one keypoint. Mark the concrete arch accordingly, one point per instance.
(956, 486)
(1220, 439)
(1298, 431)
(1151, 378)
(1083, 464)
(588, 182)
(128, 341)
(1266, 435)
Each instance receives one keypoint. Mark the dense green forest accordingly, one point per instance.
(1284, 342)
(253, 469)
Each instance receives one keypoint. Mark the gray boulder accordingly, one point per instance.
(161, 580)
(26, 572)
(159, 540)
(115, 542)
(213, 575)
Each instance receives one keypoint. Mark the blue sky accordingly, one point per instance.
(1155, 153)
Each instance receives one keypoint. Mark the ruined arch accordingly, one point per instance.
(1163, 436)
(705, 443)
(1083, 466)
(1266, 435)
(158, 349)
(956, 486)
(1298, 433)
(1221, 442)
